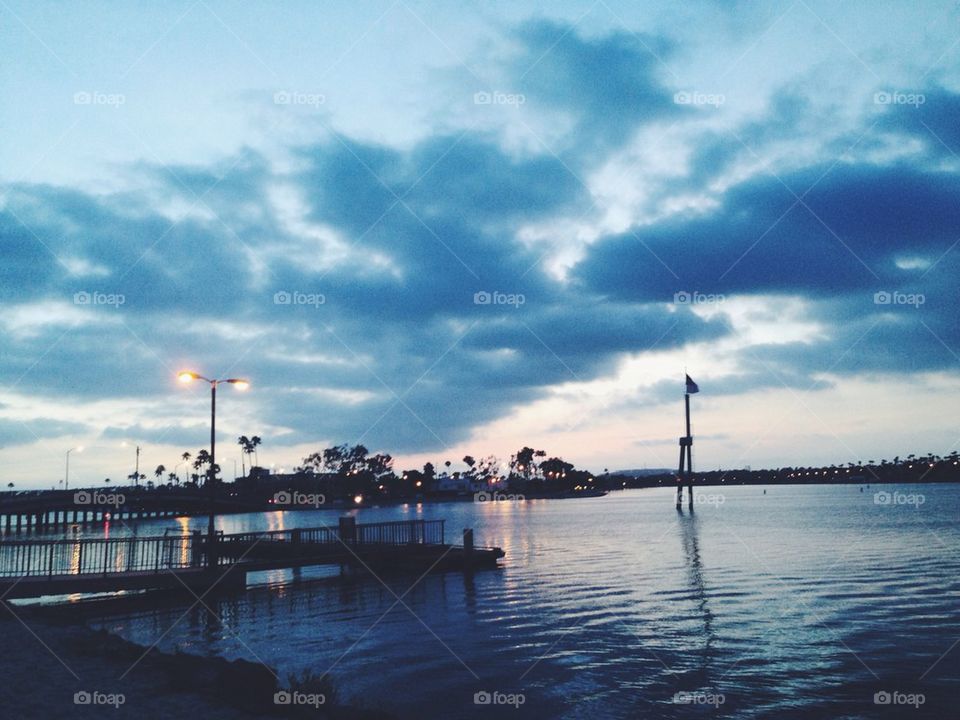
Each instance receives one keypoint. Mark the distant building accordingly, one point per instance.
(461, 484)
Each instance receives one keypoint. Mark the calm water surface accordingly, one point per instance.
(801, 602)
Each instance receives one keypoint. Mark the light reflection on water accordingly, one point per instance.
(803, 602)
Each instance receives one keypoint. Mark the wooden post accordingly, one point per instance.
(468, 556)
(348, 529)
(196, 540)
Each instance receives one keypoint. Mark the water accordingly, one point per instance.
(803, 602)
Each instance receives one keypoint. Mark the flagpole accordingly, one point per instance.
(686, 399)
(685, 467)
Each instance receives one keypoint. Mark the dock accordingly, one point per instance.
(35, 568)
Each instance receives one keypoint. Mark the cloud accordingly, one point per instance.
(21, 432)
(929, 114)
(606, 86)
(345, 282)
(843, 234)
(389, 344)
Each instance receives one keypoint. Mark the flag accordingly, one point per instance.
(692, 387)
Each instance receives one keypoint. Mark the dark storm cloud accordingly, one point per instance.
(399, 353)
(609, 86)
(843, 235)
(933, 121)
(403, 339)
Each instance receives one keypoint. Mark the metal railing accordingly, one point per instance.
(95, 556)
(402, 532)
(104, 556)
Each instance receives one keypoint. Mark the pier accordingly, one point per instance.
(59, 509)
(34, 568)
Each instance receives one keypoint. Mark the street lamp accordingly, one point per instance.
(66, 474)
(188, 376)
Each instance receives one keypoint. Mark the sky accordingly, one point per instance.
(450, 228)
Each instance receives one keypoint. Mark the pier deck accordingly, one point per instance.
(33, 568)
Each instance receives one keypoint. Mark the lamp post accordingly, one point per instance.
(187, 376)
(66, 474)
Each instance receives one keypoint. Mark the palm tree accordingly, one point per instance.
(244, 442)
(10, 485)
(254, 443)
(186, 458)
(173, 479)
(159, 472)
(249, 446)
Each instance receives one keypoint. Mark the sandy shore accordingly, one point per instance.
(57, 670)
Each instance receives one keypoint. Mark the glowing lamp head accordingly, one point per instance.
(186, 376)
(240, 384)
